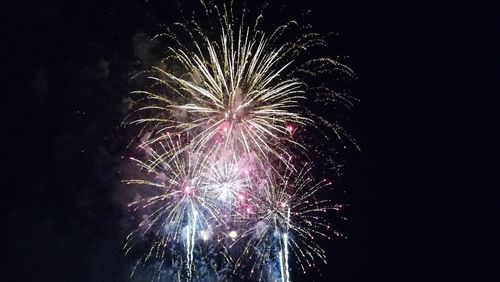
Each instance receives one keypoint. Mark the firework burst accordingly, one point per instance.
(221, 153)
(243, 89)
(287, 216)
(176, 209)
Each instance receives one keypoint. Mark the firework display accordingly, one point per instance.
(227, 186)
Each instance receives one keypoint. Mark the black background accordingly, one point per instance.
(422, 191)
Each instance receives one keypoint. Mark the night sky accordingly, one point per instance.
(422, 192)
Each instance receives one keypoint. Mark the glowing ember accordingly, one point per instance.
(233, 234)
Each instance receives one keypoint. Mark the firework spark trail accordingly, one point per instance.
(221, 149)
(190, 240)
(284, 253)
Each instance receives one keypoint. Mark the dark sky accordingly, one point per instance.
(422, 192)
